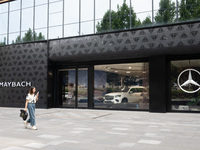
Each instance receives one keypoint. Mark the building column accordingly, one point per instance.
(91, 87)
(158, 84)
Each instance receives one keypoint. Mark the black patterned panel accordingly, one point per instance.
(23, 62)
(173, 39)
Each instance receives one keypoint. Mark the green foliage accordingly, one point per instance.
(147, 21)
(189, 9)
(4, 42)
(166, 12)
(193, 102)
(119, 20)
(29, 36)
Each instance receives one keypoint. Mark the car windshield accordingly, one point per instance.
(125, 89)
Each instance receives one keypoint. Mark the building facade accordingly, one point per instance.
(141, 69)
(154, 68)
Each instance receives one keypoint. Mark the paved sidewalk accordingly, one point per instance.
(83, 129)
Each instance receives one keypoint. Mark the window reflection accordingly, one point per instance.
(185, 89)
(68, 87)
(122, 86)
(27, 19)
(83, 87)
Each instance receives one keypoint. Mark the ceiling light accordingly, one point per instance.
(128, 72)
(129, 67)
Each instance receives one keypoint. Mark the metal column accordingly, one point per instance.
(20, 30)
(34, 21)
(152, 11)
(130, 15)
(79, 17)
(8, 23)
(63, 27)
(110, 16)
(48, 20)
(94, 15)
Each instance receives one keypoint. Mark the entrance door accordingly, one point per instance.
(73, 88)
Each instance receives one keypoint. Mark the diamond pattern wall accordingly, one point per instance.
(23, 62)
(173, 39)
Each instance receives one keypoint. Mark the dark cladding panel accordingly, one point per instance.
(19, 65)
(158, 77)
(167, 40)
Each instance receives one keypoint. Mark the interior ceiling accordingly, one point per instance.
(131, 69)
(187, 63)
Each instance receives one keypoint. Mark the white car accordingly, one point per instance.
(68, 95)
(129, 95)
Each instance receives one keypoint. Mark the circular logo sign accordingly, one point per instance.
(189, 81)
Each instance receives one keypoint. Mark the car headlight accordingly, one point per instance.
(116, 96)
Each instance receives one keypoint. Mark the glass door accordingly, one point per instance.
(73, 88)
(83, 87)
(67, 88)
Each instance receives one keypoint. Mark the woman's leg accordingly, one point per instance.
(31, 108)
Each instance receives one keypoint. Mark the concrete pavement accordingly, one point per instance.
(83, 129)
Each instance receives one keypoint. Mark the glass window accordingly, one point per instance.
(71, 21)
(4, 7)
(87, 17)
(68, 87)
(39, 2)
(101, 7)
(72, 30)
(41, 34)
(27, 19)
(143, 11)
(3, 39)
(123, 18)
(14, 23)
(122, 86)
(83, 87)
(55, 32)
(3, 23)
(15, 5)
(40, 16)
(13, 37)
(185, 85)
(55, 20)
(27, 3)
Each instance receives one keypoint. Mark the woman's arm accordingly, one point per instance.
(26, 104)
(37, 96)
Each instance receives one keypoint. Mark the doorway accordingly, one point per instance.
(73, 88)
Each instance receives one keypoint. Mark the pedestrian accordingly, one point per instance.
(31, 99)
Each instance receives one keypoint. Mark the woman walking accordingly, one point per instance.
(31, 99)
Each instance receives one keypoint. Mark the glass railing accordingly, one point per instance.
(36, 20)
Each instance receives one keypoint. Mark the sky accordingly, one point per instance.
(71, 13)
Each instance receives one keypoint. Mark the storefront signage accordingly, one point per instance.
(189, 81)
(15, 84)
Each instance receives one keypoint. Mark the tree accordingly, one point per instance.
(189, 9)
(166, 12)
(4, 42)
(119, 19)
(29, 36)
(147, 21)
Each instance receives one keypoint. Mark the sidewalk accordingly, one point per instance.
(83, 129)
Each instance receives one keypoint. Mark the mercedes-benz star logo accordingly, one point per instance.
(189, 82)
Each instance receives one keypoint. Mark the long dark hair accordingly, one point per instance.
(31, 90)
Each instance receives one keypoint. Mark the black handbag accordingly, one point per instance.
(23, 114)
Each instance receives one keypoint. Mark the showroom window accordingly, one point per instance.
(185, 85)
(122, 86)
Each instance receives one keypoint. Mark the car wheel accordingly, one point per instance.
(124, 100)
